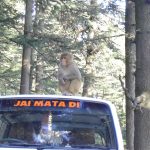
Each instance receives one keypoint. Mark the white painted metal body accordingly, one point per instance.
(86, 99)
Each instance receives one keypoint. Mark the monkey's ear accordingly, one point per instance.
(70, 58)
(64, 55)
(61, 56)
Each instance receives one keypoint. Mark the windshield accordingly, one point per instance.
(89, 125)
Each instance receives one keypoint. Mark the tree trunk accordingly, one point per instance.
(130, 71)
(36, 71)
(25, 72)
(142, 116)
(89, 70)
(32, 66)
(39, 75)
(39, 63)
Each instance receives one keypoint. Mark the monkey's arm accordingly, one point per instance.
(60, 76)
(74, 73)
(72, 76)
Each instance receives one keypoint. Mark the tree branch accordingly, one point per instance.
(127, 94)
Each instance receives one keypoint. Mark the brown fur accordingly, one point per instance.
(69, 75)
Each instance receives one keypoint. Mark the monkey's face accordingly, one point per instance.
(66, 59)
(64, 62)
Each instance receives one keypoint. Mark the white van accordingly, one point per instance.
(52, 122)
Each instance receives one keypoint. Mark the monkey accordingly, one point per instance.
(144, 100)
(69, 76)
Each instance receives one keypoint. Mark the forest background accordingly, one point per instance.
(36, 32)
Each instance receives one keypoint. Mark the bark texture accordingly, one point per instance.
(142, 116)
(39, 75)
(26, 57)
(39, 63)
(90, 53)
(130, 71)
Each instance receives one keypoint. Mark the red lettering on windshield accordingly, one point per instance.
(23, 103)
(55, 103)
(73, 105)
(38, 103)
(47, 103)
(62, 104)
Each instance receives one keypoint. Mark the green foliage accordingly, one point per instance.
(60, 26)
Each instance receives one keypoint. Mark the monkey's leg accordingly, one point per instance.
(64, 88)
(75, 86)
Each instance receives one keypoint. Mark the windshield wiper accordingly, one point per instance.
(90, 147)
(49, 146)
(12, 141)
(29, 145)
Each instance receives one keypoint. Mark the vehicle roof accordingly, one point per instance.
(27, 96)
